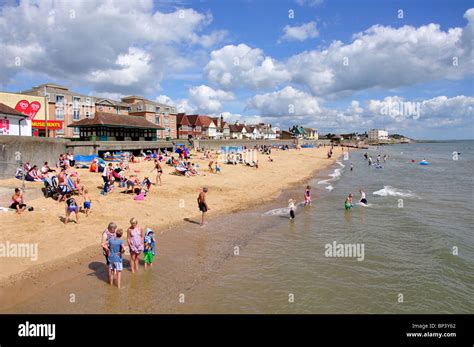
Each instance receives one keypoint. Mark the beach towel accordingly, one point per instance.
(139, 197)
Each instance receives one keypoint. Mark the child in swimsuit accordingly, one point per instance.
(149, 247)
(71, 207)
(87, 202)
(348, 202)
(114, 259)
(307, 196)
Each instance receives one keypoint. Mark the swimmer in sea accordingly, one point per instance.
(307, 196)
(291, 206)
(363, 199)
(348, 202)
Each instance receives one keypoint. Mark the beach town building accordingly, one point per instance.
(64, 107)
(116, 127)
(208, 127)
(298, 131)
(284, 135)
(13, 122)
(222, 128)
(184, 128)
(162, 115)
(110, 106)
(266, 131)
(252, 132)
(377, 134)
(311, 134)
(237, 131)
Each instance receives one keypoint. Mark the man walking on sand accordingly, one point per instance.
(202, 204)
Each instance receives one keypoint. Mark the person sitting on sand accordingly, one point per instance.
(17, 201)
(202, 204)
(46, 169)
(71, 206)
(135, 239)
(115, 260)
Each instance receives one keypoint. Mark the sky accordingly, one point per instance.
(335, 65)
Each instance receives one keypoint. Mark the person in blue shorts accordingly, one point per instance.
(116, 249)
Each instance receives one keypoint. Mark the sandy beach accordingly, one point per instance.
(236, 188)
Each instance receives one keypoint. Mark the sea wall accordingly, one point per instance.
(217, 144)
(35, 150)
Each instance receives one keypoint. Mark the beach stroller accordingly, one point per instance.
(50, 186)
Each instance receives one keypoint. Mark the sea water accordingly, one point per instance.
(410, 250)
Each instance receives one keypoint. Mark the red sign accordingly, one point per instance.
(52, 124)
(4, 126)
(30, 110)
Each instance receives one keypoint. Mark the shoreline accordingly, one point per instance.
(66, 268)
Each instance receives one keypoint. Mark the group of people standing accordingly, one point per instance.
(138, 242)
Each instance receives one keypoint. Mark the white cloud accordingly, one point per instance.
(386, 57)
(233, 67)
(208, 100)
(300, 33)
(106, 45)
(201, 99)
(310, 3)
(287, 102)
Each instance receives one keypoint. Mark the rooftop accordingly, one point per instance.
(115, 120)
(4, 109)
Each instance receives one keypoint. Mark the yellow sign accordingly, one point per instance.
(32, 106)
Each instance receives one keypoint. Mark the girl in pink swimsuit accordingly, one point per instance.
(135, 243)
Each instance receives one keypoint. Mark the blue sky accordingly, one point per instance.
(291, 70)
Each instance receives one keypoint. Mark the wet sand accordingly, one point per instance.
(180, 242)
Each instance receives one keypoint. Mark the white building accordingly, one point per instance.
(376, 134)
(13, 122)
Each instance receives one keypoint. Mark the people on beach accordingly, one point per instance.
(363, 199)
(135, 239)
(71, 207)
(202, 204)
(352, 167)
(87, 202)
(291, 206)
(307, 196)
(149, 247)
(17, 202)
(116, 249)
(107, 234)
(159, 171)
(348, 203)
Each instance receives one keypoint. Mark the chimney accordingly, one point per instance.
(237, 122)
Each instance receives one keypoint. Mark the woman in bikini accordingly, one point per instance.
(159, 171)
(135, 243)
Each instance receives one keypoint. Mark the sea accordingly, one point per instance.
(409, 250)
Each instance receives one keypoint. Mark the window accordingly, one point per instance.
(59, 100)
(59, 114)
(76, 115)
(88, 101)
(129, 109)
(76, 102)
(157, 119)
(167, 121)
(101, 108)
(157, 109)
(60, 132)
(76, 131)
(47, 96)
(110, 108)
(139, 108)
(88, 114)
